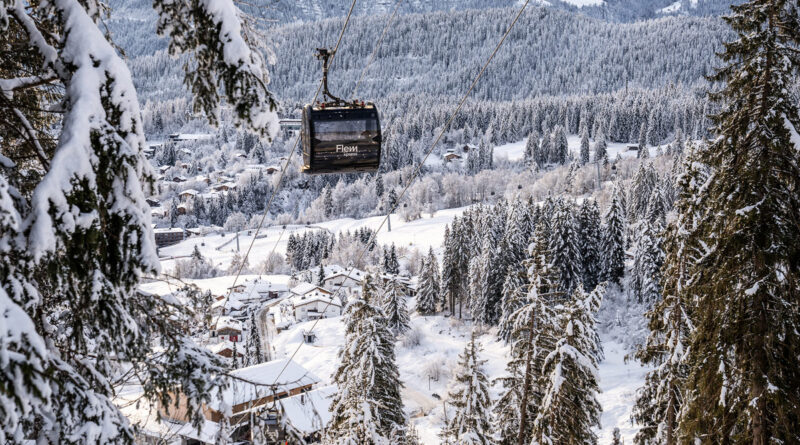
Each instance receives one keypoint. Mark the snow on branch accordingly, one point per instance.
(101, 108)
(224, 59)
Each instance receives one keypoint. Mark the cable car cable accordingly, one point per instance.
(283, 172)
(414, 176)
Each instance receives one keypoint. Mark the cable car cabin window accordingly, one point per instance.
(352, 130)
(341, 140)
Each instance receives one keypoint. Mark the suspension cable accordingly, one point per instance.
(413, 177)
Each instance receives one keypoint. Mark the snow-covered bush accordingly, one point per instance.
(275, 263)
(434, 369)
(413, 337)
(235, 222)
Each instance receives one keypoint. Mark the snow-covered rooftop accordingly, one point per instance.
(304, 288)
(255, 382)
(309, 412)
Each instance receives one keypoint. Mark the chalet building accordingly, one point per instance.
(168, 237)
(309, 290)
(226, 349)
(183, 137)
(316, 307)
(249, 390)
(227, 329)
(347, 280)
(188, 195)
(451, 156)
(272, 169)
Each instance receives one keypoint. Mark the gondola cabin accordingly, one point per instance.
(341, 139)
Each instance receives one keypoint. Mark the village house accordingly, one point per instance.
(168, 237)
(188, 195)
(227, 329)
(249, 390)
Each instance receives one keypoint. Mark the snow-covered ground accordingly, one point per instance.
(442, 339)
(515, 150)
(421, 233)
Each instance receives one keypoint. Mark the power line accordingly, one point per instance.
(414, 176)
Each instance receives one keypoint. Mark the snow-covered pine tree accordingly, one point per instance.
(648, 256)
(659, 401)
(569, 410)
(367, 408)
(253, 354)
(531, 153)
(394, 307)
(327, 201)
(584, 146)
(643, 152)
(85, 224)
(644, 182)
(600, 147)
(428, 290)
(614, 241)
(564, 245)
(320, 275)
(590, 242)
(534, 329)
(468, 393)
(656, 213)
(743, 380)
(559, 148)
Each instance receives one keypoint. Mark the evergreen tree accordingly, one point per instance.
(648, 257)
(614, 242)
(379, 187)
(367, 408)
(531, 153)
(428, 289)
(564, 245)
(642, 186)
(469, 395)
(327, 202)
(253, 354)
(743, 383)
(660, 400)
(590, 242)
(643, 152)
(584, 146)
(569, 409)
(600, 147)
(321, 275)
(656, 213)
(534, 330)
(394, 307)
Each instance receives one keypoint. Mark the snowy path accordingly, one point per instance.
(618, 383)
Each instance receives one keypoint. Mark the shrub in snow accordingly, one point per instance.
(413, 337)
(235, 222)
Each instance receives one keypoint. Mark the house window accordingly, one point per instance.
(234, 338)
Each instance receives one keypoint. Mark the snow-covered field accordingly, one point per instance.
(515, 150)
(421, 233)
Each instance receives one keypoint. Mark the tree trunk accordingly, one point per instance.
(523, 417)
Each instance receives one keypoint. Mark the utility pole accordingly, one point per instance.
(237, 241)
